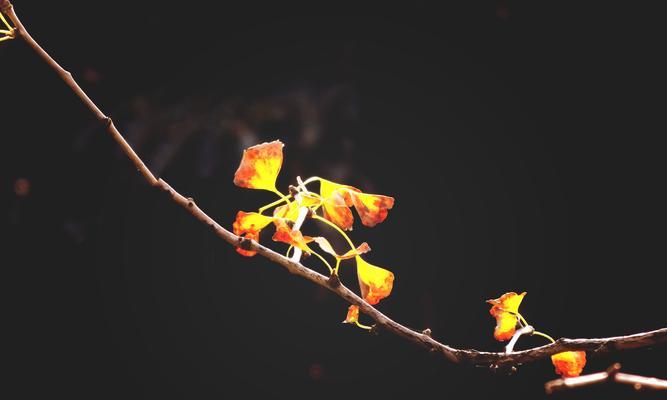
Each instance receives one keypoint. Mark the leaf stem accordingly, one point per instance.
(275, 203)
(331, 270)
(4, 21)
(331, 224)
(544, 335)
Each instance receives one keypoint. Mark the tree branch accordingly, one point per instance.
(423, 339)
(612, 374)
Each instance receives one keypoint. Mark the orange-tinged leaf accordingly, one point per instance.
(352, 315)
(326, 246)
(361, 249)
(260, 166)
(569, 363)
(375, 282)
(337, 200)
(249, 226)
(504, 310)
(284, 233)
(336, 209)
(372, 208)
(336, 203)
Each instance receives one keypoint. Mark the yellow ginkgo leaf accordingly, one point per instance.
(260, 166)
(505, 310)
(375, 282)
(290, 210)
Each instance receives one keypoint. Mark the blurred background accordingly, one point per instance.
(521, 142)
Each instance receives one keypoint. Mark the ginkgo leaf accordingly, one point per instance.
(375, 282)
(260, 166)
(249, 226)
(290, 211)
(504, 310)
(352, 315)
(327, 188)
(372, 208)
(326, 247)
(337, 200)
(285, 233)
(569, 363)
(336, 208)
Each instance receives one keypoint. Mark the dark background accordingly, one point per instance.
(521, 142)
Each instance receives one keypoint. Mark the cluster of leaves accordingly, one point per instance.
(332, 205)
(505, 310)
(259, 169)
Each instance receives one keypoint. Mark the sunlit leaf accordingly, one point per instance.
(375, 282)
(260, 166)
(249, 226)
(352, 315)
(372, 208)
(285, 233)
(337, 200)
(569, 363)
(326, 247)
(290, 211)
(336, 208)
(504, 310)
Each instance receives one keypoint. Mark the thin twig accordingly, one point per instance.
(526, 330)
(644, 339)
(612, 374)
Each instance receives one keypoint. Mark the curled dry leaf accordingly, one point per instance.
(249, 225)
(569, 363)
(260, 166)
(337, 200)
(285, 233)
(326, 247)
(504, 309)
(352, 315)
(336, 208)
(372, 208)
(375, 282)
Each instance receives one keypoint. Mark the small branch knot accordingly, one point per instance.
(244, 243)
(613, 370)
(334, 280)
(427, 332)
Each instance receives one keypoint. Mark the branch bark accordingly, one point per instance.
(383, 322)
(612, 374)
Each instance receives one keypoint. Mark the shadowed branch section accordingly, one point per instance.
(383, 322)
(612, 374)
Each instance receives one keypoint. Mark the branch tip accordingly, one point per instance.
(5, 5)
